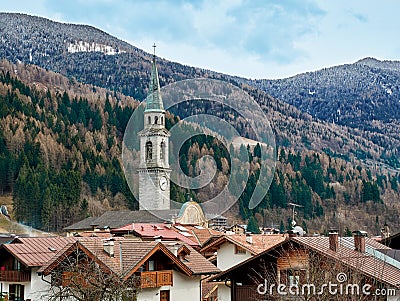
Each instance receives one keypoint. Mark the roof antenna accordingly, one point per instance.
(294, 212)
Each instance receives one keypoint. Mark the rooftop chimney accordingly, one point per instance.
(168, 225)
(333, 239)
(385, 232)
(249, 238)
(94, 227)
(175, 249)
(359, 240)
(108, 247)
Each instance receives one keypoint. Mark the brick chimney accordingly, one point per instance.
(359, 240)
(333, 240)
(108, 247)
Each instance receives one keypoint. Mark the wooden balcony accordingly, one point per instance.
(155, 279)
(15, 276)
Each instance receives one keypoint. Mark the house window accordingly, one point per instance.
(239, 250)
(151, 265)
(149, 150)
(16, 265)
(16, 292)
(293, 277)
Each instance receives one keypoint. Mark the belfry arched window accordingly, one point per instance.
(149, 120)
(156, 120)
(162, 120)
(149, 150)
(162, 150)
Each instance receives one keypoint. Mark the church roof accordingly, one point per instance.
(116, 219)
(154, 101)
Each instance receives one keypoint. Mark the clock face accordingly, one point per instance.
(163, 183)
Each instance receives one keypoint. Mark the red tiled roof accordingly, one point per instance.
(36, 251)
(203, 235)
(364, 262)
(376, 244)
(145, 230)
(260, 242)
(207, 288)
(134, 254)
(196, 262)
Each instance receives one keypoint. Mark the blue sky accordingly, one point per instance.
(251, 38)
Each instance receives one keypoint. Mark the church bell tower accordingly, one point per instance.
(154, 171)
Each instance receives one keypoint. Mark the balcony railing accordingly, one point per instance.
(155, 279)
(15, 276)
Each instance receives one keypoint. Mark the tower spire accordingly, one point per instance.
(154, 51)
(154, 100)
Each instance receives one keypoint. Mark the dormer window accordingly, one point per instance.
(182, 252)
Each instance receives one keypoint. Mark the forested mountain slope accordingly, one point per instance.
(60, 152)
(364, 96)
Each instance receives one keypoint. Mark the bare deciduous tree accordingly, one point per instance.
(79, 277)
(299, 273)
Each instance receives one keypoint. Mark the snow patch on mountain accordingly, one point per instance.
(82, 46)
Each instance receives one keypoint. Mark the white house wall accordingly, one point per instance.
(224, 293)
(38, 288)
(186, 288)
(226, 257)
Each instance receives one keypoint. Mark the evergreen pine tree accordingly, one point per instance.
(252, 225)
